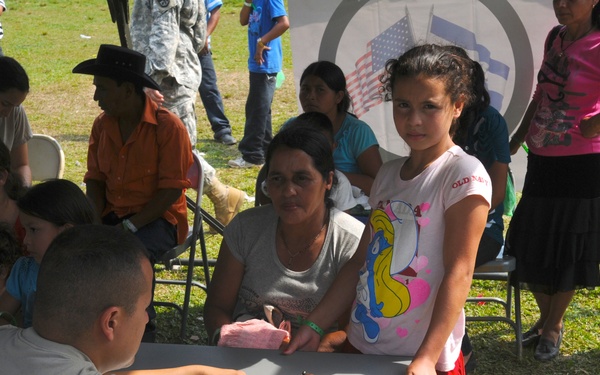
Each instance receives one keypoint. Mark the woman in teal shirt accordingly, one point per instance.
(356, 154)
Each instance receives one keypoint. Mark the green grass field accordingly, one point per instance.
(50, 37)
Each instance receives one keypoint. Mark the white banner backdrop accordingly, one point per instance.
(506, 36)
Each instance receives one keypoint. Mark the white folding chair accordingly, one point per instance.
(500, 269)
(46, 158)
(195, 234)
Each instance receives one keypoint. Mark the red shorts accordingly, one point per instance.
(459, 365)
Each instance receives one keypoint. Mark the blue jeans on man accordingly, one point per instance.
(258, 131)
(211, 98)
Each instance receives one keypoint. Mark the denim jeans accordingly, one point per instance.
(258, 131)
(211, 97)
(157, 236)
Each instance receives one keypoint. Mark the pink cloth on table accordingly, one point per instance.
(253, 333)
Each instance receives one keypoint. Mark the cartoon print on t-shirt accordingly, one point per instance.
(254, 20)
(389, 285)
(551, 123)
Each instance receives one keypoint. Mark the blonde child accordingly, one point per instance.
(415, 262)
(45, 211)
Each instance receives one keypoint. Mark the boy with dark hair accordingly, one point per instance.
(95, 282)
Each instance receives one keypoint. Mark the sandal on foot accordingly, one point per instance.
(531, 337)
(546, 349)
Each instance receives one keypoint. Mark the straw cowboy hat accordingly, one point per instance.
(118, 63)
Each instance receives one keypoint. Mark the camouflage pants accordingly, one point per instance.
(180, 100)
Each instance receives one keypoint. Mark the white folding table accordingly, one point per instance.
(267, 362)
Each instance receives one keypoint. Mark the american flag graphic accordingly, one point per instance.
(363, 84)
(496, 73)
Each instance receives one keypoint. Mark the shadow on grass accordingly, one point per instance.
(73, 138)
(496, 353)
(496, 356)
(169, 324)
(168, 319)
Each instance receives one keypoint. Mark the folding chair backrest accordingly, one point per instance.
(197, 182)
(260, 197)
(196, 234)
(195, 174)
(46, 158)
(196, 177)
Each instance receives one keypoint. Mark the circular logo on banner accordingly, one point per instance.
(504, 13)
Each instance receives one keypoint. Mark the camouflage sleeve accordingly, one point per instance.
(163, 36)
(199, 28)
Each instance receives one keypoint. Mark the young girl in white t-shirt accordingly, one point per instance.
(415, 261)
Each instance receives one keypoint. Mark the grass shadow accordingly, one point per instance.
(73, 138)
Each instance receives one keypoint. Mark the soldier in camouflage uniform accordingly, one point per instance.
(171, 33)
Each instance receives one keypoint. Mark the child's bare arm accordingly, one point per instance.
(8, 305)
(465, 222)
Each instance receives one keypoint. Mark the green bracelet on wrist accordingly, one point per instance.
(313, 326)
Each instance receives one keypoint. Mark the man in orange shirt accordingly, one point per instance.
(138, 155)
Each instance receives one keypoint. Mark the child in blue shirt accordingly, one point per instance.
(45, 211)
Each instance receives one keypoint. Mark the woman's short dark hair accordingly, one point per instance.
(312, 142)
(315, 120)
(596, 15)
(334, 78)
(59, 202)
(13, 187)
(13, 75)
